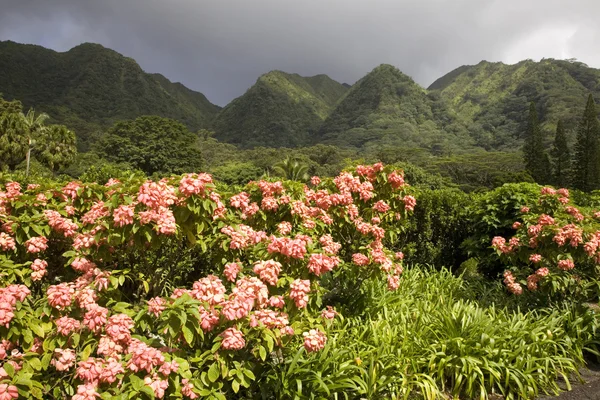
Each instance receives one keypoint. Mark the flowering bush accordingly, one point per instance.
(555, 248)
(71, 325)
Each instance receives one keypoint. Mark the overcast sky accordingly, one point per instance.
(220, 47)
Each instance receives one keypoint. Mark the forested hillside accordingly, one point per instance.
(280, 109)
(91, 87)
(493, 98)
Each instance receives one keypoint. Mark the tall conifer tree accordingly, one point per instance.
(561, 157)
(587, 160)
(533, 149)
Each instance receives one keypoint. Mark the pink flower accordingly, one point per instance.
(233, 339)
(97, 211)
(329, 313)
(396, 179)
(545, 220)
(299, 290)
(86, 392)
(194, 184)
(360, 259)
(524, 209)
(39, 269)
(209, 289)
(566, 264)
(393, 282)
(66, 325)
(157, 385)
(535, 258)
(95, 318)
(8, 392)
(156, 305)
(118, 328)
(187, 389)
(381, 206)
(143, 357)
(123, 215)
(319, 264)
(208, 319)
(156, 194)
(315, 180)
(277, 301)
(268, 271)
(63, 359)
(284, 228)
(542, 272)
(231, 271)
(548, 190)
(7, 242)
(516, 225)
(36, 244)
(60, 296)
(409, 202)
(314, 340)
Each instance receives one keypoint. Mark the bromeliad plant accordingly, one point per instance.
(74, 322)
(555, 250)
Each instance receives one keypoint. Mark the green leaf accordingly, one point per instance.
(213, 372)
(187, 334)
(263, 353)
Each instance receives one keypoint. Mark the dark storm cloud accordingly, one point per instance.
(220, 47)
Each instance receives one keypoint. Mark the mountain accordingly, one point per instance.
(280, 109)
(385, 109)
(90, 87)
(492, 98)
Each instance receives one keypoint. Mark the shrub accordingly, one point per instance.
(554, 249)
(80, 313)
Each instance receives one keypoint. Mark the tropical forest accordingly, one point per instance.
(311, 239)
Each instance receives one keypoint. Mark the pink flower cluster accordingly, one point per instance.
(8, 300)
(294, 248)
(36, 244)
(60, 224)
(123, 215)
(314, 340)
(39, 269)
(243, 236)
(194, 184)
(513, 286)
(233, 339)
(319, 264)
(299, 290)
(7, 242)
(268, 271)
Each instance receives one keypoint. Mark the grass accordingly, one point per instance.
(432, 339)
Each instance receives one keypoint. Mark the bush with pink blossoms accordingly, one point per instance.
(95, 300)
(554, 249)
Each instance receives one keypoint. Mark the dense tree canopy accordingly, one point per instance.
(152, 144)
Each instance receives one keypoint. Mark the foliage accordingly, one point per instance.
(554, 249)
(587, 150)
(152, 144)
(493, 214)
(437, 229)
(81, 264)
(561, 157)
(533, 148)
(429, 340)
(23, 134)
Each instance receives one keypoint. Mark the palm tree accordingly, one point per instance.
(291, 169)
(56, 147)
(33, 126)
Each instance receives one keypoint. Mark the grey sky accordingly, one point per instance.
(220, 47)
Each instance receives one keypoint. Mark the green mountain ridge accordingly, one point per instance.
(90, 87)
(385, 109)
(280, 109)
(493, 97)
(472, 108)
